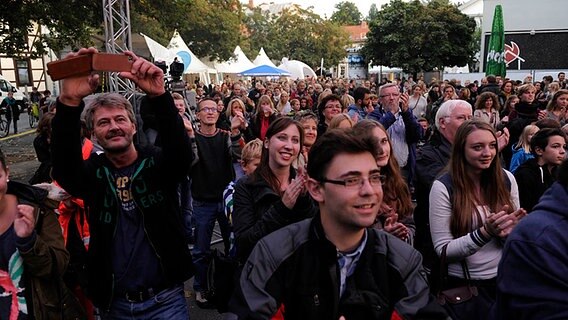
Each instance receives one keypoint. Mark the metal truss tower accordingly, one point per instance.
(118, 39)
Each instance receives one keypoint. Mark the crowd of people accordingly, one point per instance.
(335, 200)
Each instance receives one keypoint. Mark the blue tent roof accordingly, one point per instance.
(264, 70)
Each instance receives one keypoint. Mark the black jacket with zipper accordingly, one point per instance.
(153, 187)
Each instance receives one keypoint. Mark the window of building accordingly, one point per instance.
(23, 74)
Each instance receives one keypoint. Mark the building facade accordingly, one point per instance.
(536, 33)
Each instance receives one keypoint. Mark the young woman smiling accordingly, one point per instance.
(473, 207)
(274, 195)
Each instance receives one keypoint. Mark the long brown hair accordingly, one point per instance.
(480, 103)
(493, 189)
(263, 170)
(395, 190)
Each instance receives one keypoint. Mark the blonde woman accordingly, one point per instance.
(264, 115)
(522, 150)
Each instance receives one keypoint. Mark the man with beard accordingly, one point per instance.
(138, 258)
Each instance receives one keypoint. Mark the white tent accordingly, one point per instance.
(297, 69)
(262, 59)
(158, 51)
(178, 48)
(191, 63)
(237, 64)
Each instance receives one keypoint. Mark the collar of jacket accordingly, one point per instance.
(30, 195)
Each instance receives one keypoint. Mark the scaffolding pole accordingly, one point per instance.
(117, 40)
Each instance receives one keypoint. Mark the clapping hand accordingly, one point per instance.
(25, 221)
(502, 223)
(396, 228)
(503, 138)
(188, 127)
(404, 102)
(293, 191)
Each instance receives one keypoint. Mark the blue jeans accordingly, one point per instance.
(205, 214)
(169, 304)
(186, 208)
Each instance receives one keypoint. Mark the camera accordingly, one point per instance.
(176, 69)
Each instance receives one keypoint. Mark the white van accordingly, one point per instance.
(6, 86)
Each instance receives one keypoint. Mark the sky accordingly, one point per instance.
(326, 7)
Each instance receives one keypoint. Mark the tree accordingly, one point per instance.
(297, 34)
(373, 13)
(346, 13)
(420, 37)
(69, 23)
(213, 27)
(158, 20)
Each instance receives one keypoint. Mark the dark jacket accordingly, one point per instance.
(255, 124)
(431, 160)
(491, 87)
(531, 283)
(11, 107)
(297, 266)
(533, 181)
(258, 211)
(45, 262)
(154, 190)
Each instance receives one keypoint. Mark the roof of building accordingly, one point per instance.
(358, 32)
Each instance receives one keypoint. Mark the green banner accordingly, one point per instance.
(495, 60)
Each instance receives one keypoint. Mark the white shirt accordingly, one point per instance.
(482, 261)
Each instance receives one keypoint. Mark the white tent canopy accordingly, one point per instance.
(237, 64)
(191, 63)
(262, 59)
(158, 51)
(297, 69)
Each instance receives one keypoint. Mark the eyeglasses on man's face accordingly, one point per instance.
(391, 95)
(375, 179)
(208, 110)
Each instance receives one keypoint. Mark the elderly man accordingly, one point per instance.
(401, 125)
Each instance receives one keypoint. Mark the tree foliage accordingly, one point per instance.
(69, 22)
(347, 14)
(213, 27)
(373, 12)
(420, 37)
(297, 34)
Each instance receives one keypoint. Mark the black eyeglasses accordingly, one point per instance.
(375, 179)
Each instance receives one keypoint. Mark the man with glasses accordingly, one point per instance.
(209, 176)
(401, 125)
(335, 265)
